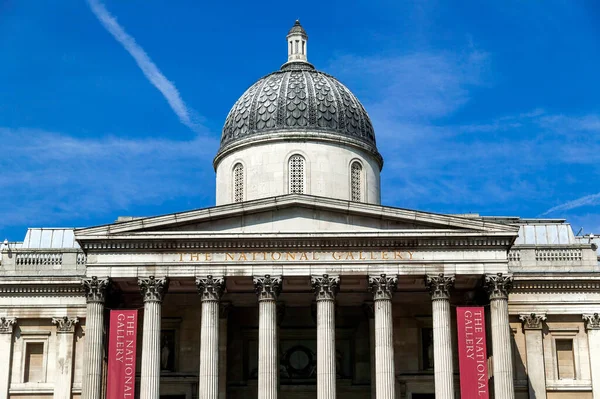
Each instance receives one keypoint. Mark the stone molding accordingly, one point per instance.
(498, 285)
(233, 243)
(153, 288)
(7, 324)
(95, 288)
(383, 286)
(439, 286)
(325, 287)
(210, 288)
(65, 324)
(556, 285)
(267, 288)
(592, 321)
(36, 290)
(532, 321)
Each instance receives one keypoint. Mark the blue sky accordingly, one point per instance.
(112, 108)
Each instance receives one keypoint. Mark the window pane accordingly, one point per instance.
(34, 362)
(565, 358)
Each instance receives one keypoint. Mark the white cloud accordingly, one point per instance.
(593, 199)
(149, 68)
(51, 177)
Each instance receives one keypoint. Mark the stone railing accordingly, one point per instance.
(39, 258)
(560, 258)
(40, 261)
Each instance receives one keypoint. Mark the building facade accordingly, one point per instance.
(299, 283)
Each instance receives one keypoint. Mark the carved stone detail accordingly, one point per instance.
(65, 324)
(325, 287)
(153, 288)
(532, 321)
(382, 286)
(7, 324)
(268, 287)
(210, 288)
(592, 321)
(439, 286)
(95, 288)
(499, 285)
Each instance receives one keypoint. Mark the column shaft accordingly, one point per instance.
(267, 350)
(502, 347)
(326, 288)
(64, 360)
(94, 350)
(442, 349)
(593, 331)
(95, 290)
(153, 290)
(383, 288)
(6, 337)
(536, 372)
(267, 289)
(209, 351)
(443, 370)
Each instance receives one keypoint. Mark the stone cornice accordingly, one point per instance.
(216, 242)
(325, 287)
(557, 284)
(42, 290)
(441, 223)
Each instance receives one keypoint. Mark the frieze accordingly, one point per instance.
(292, 243)
(292, 256)
(556, 285)
(48, 289)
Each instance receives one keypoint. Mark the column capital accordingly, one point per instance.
(268, 287)
(439, 285)
(592, 321)
(95, 288)
(65, 324)
(7, 324)
(532, 321)
(498, 285)
(153, 288)
(383, 286)
(210, 288)
(325, 287)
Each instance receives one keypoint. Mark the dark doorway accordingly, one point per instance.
(423, 396)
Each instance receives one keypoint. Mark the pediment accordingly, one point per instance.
(298, 214)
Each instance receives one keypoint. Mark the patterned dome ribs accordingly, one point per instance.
(298, 98)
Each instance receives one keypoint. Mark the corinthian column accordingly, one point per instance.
(383, 288)
(439, 287)
(498, 287)
(536, 373)
(65, 329)
(153, 290)
(210, 289)
(6, 335)
(592, 325)
(95, 290)
(326, 288)
(267, 289)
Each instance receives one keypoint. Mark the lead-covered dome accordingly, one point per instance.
(299, 102)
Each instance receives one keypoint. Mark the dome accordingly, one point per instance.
(298, 102)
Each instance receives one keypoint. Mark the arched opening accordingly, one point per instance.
(238, 182)
(356, 181)
(296, 174)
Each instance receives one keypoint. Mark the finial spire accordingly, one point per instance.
(296, 43)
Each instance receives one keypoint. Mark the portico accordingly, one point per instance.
(296, 296)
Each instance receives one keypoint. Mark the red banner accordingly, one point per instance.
(121, 354)
(472, 352)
